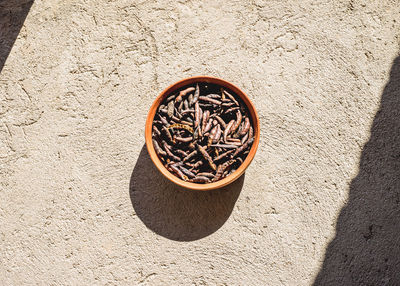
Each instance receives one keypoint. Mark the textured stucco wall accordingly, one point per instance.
(81, 203)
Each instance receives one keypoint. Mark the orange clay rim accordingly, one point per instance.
(160, 166)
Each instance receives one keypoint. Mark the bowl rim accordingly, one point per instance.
(160, 166)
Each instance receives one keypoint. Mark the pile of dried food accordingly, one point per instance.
(202, 132)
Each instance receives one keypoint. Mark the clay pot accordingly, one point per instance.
(230, 178)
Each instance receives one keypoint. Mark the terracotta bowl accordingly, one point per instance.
(153, 155)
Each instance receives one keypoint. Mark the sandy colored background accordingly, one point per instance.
(81, 203)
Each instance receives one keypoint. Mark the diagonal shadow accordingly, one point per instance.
(366, 248)
(12, 17)
(174, 212)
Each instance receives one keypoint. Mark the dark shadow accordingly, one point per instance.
(366, 248)
(12, 17)
(174, 212)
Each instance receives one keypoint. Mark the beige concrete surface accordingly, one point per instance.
(81, 203)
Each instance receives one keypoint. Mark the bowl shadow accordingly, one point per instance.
(174, 212)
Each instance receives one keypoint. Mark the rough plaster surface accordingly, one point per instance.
(81, 203)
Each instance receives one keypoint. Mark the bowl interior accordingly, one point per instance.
(160, 166)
